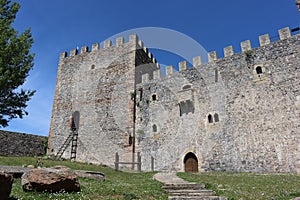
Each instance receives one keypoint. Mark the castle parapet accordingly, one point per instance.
(84, 49)
(156, 74)
(107, 43)
(134, 38)
(212, 56)
(73, 52)
(183, 65)
(228, 51)
(284, 33)
(197, 61)
(169, 70)
(246, 46)
(95, 47)
(264, 40)
(63, 55)
(119, 41)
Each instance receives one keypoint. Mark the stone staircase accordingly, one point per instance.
(179, 189)
(190, 191)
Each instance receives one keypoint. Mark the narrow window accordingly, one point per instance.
(180, 109)
(216, 117)
(141, 94)
(216, 75)
(259, 70)
(130, 140)
(210, 119)
(154, 128)
(154, 97)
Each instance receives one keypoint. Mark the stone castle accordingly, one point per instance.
(237, 113)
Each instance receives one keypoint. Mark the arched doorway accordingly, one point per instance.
(190, 163)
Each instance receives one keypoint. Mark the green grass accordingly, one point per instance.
(118, 185)
(123, 185)
(248, 185)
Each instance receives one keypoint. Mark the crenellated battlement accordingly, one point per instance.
(228, 51)
(118, 43)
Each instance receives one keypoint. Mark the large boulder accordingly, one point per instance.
(6, 181)
(55, 179)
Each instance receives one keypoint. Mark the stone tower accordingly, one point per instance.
(99, 85)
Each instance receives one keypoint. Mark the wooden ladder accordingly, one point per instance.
(74, 145)
(73, 136)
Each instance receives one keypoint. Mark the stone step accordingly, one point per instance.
(191, 192)
(194, 186)
(196, 198)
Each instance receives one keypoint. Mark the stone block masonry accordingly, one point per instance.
(100, 85)
(242, 115)
(21, 144)
(237, 113)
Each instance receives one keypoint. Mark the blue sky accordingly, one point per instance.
(62, 25)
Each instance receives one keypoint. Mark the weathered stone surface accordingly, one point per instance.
(90, 174)
(21, 144)
(15, 171)
(238, 113)
(100, 100)
(179, 189)
(6, 181)
(18, 171)
(55, 179)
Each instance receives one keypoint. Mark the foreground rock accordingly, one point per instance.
(55, 179)
(90, 174)
(6, 181)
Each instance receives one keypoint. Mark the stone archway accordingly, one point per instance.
(190, 162)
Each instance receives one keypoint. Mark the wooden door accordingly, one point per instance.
(190, 163)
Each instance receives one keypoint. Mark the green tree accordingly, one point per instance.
(15, 63)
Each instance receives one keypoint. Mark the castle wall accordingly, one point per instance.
(21, 144)
(256, 97)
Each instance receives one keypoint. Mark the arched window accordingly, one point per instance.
(154, 128)
(259, 70)
(216, 117)
(186, 87)
(210, 119)
(154, 98)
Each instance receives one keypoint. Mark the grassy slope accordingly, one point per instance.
(118, 185)
(121, 185)
(248, 185)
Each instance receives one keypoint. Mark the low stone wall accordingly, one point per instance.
(21, 144)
